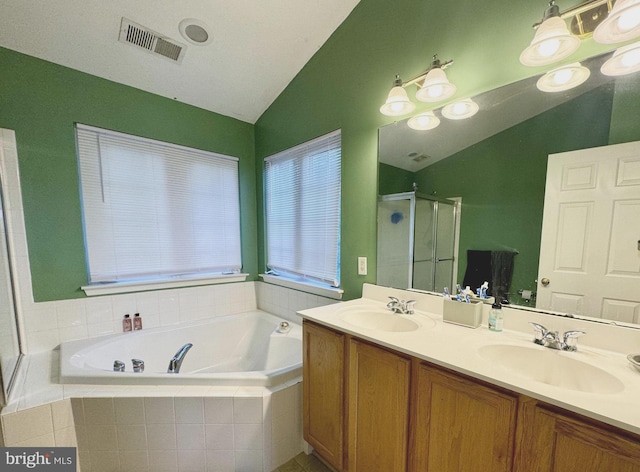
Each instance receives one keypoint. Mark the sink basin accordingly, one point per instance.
(381, 320)
(551, 367)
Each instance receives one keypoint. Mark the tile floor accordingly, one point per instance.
(304, 463)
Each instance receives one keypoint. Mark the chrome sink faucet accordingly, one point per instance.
(552, 339)
(401, 307)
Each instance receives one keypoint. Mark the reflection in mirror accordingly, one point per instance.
(496, 162)
(9, 341)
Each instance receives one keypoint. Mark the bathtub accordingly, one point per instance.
(242, 350)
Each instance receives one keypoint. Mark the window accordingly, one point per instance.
(302, 186)
(154, 210)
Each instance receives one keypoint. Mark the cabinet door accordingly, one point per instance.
(378, 409)
(549, 441)
(459, 424)
(323, 392)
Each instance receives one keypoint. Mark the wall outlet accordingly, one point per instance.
(362, 266)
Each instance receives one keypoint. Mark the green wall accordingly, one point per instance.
(348, 79)
(41, 102)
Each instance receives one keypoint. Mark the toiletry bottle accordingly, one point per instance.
(137, 322)
(496, 320)
(126, 323)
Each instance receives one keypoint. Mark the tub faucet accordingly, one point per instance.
(176, 361)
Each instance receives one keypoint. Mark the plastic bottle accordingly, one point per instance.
(137, 322)
(126, 323)
(496, 319)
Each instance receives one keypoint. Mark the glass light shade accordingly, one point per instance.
(625, 60)
(563, 78)
(551, 43)
(423, 121)
(460, 110)
(622, 24)
(397, 103)
(436, 87)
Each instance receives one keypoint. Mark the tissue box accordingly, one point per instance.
(461, 313)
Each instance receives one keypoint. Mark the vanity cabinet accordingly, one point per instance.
(378, 399)
(550, 440)
(460, 424)
(324, 391)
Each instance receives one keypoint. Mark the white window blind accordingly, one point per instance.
(302, 187)
(154, 210)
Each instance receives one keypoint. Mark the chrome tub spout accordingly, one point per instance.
(176, 361)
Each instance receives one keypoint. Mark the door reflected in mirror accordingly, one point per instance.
(497, 161)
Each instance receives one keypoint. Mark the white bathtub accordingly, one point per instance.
(243, 349)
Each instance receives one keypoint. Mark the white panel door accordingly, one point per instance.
(590, 246)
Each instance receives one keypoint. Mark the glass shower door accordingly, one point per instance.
(395, 241)
(445, 257)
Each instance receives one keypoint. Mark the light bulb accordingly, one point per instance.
(562, 76)
(629, 19)
(549, 48)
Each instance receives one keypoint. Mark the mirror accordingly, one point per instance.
(496, 162)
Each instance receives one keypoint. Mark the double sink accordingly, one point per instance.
(529, 361)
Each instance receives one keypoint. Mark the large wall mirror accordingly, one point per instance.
(496, 163)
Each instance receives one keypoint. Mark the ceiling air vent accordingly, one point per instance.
(152, 42)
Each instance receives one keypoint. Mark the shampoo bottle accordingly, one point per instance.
(496, 320)
(126, 323)
(137, 322)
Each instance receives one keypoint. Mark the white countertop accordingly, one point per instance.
(457, 348)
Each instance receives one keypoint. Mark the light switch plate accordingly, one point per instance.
(362, 266)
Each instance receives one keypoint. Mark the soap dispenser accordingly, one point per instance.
(496, 319)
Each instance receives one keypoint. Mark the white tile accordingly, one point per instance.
(105, 461)
(248, 436)
(71, 313)
(123, 304)
(162, 436)
(46, 440)
(65, 437)
(98, 310)
(129, 410)
(249, 461)
(219, 437)
(132, 437)
(221, 461)
(190, 436)
(73, 333)
(148, 304)
(191, 461)
(62, 414)
(41, 317)
(134, 461)
(159, 410)
(99, 329)
(99, 411)
(27, 424)
(218, 410)
(247, 410)
(102, 437)
(189, 410)
(169, 307)
(163, 460)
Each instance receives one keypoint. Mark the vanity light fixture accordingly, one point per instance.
(398, 102)
(625, 60)
(563, 78)
(552, 41)
(423, 121)
(622, 23)
(435, 87)
(460, 110)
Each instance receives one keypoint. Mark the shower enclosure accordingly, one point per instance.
(417, 241)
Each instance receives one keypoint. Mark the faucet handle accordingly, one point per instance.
(570, 339)
(408, 307)
(540, 332)
(138, 365)
(393, 303)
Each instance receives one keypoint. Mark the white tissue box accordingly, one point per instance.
(461, 313)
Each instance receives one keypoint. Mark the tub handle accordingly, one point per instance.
(138, 365)
(118, 366)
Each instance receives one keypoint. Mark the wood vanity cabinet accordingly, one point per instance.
(371, 409)
(550, 439)
(324, 391)
(460, 424)
(378, 399)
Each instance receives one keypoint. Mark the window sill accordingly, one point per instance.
(140, 286)
(308, 287)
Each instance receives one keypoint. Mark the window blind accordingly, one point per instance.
(302, 189)
(156, 210)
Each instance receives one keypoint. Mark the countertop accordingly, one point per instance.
(459, 348)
